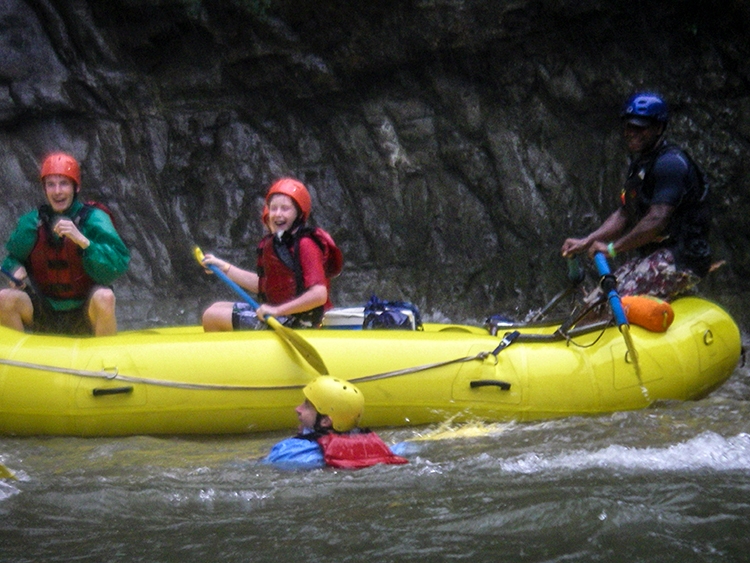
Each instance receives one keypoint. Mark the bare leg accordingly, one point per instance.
(101, 311)
(218, 317)
(16, 310)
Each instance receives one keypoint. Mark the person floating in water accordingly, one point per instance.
(328, 435)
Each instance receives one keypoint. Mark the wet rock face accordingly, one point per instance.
(449, 146)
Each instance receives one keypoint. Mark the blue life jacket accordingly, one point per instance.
(296, 453)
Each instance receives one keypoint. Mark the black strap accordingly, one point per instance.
(507, 340)
(281, 246)
(46, 215)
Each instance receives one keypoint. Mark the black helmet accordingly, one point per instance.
(643, 108)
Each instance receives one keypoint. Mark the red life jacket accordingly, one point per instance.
(283, 259)
(56, 263)
(281, 286)
(356, 450)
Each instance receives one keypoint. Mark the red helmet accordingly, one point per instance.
(63, 164)
(294, 189)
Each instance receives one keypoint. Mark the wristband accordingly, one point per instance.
(226, 270)
(611, 250)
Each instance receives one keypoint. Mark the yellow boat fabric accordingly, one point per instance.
(183, 381)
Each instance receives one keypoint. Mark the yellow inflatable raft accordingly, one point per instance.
(184, 381)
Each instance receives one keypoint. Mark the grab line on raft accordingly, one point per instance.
(507, 340)
(160, 382)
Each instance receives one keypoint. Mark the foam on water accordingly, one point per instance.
(708, 450)
(7, 489)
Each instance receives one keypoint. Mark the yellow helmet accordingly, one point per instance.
(338, 399)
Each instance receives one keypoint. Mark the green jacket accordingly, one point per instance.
(105, 260)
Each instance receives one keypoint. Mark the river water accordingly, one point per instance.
(669, 483)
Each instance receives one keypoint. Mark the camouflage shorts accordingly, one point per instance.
(656, 275)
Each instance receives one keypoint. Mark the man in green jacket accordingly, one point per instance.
(62, 258)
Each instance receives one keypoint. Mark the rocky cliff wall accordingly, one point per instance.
(450, 145)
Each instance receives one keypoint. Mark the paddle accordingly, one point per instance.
(23, 285)
(18, 283)
(305, 349)
(6, 473)
(609, 286)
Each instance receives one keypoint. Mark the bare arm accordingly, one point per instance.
(608, 231)
(644, 232)
(245, 278)
(315, 296)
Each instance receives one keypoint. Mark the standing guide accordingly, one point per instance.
(663, 212)
(63, 257)
(295, 264)
(328, 435)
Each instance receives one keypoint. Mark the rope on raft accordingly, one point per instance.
(507, 340)
(115, 376)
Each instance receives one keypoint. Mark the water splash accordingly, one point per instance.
(705, 451)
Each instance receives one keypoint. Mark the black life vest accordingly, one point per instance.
(688, 230)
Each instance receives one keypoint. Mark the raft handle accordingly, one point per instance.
(98, 392)
(503, 385)
(708, 337)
